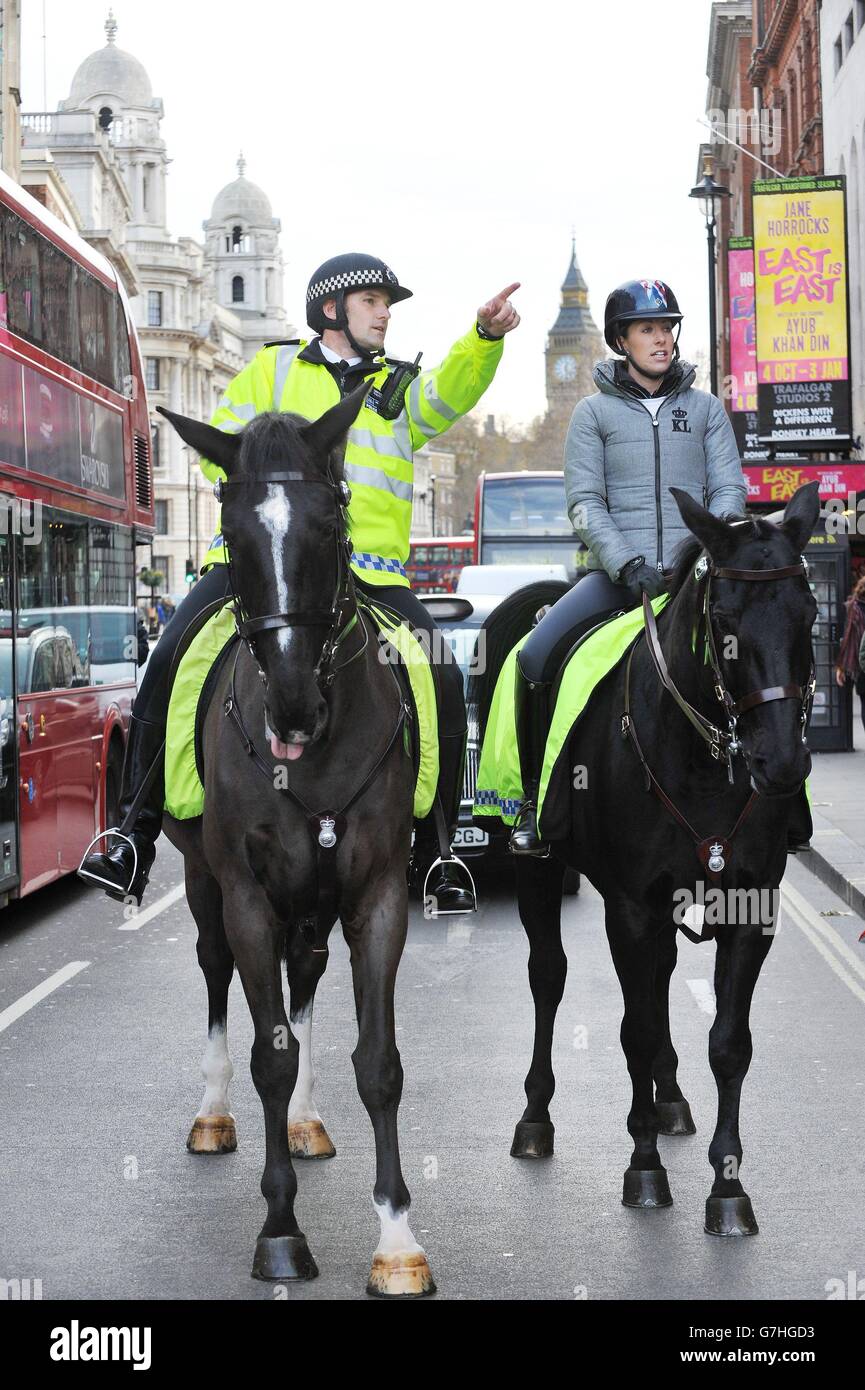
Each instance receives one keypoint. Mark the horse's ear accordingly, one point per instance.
(801, 513)
(331, 428)
(216, 445)
(714, 533)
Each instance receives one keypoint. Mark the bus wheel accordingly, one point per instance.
(113, 778)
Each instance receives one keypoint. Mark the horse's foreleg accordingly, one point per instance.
(213, 1130)
(634, 947)
(539, 896)
(376, 934)
(674, 1112)
(740, 954)
(256, 939)
(307, 1136)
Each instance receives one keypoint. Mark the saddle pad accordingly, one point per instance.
(499, 783)
(184, 791)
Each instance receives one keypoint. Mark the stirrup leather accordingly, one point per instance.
(108, 883)
(451, 911)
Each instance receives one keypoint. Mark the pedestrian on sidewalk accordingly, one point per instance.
(847, 666)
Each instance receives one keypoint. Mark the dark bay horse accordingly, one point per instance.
(715, 723)
(307, 817)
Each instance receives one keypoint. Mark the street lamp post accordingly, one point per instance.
(432, 490)
(709, 193)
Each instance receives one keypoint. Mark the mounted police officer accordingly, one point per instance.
(348, 304)
(648, 428)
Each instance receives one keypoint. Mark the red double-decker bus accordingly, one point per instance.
(434, 562)
(76, 496)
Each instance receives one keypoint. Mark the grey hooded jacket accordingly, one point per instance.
(619, 466)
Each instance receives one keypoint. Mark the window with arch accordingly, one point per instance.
(237, 295)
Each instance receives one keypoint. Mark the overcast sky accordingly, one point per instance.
(460, 141)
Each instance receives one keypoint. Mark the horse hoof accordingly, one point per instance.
(646, 1187)
(283, 1257)
(212, 1134)
(533, 1139)
(309, 1139)
(674, 1117)
(401, 1276)
(730, 1216)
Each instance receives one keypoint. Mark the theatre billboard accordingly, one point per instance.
(801, 303)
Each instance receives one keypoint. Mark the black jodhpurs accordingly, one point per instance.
(151, 702)
(452, 706)
(592, 598)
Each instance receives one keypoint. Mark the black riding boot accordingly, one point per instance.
(122, 871)
(445, 881)
(532, 724)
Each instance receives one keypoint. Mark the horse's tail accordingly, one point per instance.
(507, 623)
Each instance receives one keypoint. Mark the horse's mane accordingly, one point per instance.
(688, 552)
(272, 438)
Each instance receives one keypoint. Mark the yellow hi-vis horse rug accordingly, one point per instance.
(184, 789)
(499, 782)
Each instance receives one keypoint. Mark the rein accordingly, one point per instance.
(714, 851)
(326, 827)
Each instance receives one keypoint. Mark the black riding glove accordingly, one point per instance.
(641, 578)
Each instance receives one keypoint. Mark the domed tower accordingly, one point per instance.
(574, 344)
(245, 261)
(115, 86)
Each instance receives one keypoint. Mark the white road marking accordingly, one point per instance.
(806, 919)
(704, 995)
(800, 904)
(21, 1006)
(142, 918)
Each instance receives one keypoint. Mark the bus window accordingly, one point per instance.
(21, 277)
(59, 304)
(528, 507)
(96, 315)
(122, 362)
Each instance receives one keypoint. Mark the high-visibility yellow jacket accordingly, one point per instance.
(379, 463)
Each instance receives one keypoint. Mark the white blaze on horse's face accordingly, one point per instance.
(275, 515)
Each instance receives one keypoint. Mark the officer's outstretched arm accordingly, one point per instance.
(443, 394)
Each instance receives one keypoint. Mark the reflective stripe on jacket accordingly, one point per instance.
(379, 464)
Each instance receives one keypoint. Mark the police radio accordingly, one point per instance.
(392, 396)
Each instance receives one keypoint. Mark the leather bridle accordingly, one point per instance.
(342, 615)
(713, 851)
(721, 742)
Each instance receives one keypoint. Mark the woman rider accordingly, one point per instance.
(348, 306)
(648, 428)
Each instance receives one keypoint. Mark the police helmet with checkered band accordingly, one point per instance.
(638, 299)
(340, 276)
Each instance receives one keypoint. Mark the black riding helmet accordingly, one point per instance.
(339, 276)
(638, 299)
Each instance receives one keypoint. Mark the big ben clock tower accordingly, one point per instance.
(574, 345)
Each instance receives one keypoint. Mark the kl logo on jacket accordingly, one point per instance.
(680, 422)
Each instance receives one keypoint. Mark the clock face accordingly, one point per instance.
(565, 368)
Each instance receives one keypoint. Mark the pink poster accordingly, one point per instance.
(743, 333)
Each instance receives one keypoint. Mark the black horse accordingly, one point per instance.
(307, 817)
(683, 799)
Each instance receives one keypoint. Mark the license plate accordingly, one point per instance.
(470, 835)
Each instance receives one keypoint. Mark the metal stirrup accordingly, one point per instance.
(451, 911)
(90, 877)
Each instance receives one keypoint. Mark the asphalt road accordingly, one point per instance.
(100, 1081)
